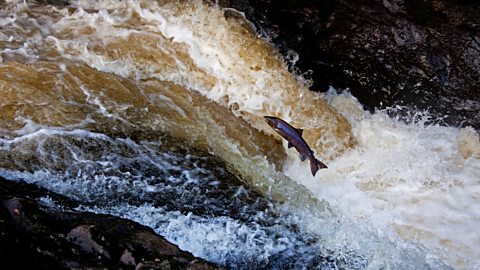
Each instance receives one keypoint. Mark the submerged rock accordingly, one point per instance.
(421, 54)
(36, 234)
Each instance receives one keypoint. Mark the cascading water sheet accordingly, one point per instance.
(124, 104)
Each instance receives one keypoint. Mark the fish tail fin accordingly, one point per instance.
(316, 165)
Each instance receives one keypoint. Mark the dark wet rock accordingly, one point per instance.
(81, 236)
(36, 235)
(422, 54)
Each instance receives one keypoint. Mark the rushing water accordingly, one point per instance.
(153, 111)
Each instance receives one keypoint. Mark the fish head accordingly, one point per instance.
(272, 121)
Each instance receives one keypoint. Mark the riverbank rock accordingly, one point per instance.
(37, 234)
(420, 54)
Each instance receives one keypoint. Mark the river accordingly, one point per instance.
(153, 111)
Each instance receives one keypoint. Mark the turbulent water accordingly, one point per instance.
(153, 111)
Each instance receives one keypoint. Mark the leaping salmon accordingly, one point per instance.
(295, 139)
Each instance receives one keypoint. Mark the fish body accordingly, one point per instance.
(295, 139)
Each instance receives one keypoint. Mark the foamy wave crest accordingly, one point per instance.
(194, 45)
(416, 180)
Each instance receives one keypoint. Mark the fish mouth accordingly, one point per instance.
(270, 120)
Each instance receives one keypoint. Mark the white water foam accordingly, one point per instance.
(220, 239)
(203, 48)
(194, 46)
(117, 170)
(418, 181)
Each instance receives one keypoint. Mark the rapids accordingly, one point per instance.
(153, 111)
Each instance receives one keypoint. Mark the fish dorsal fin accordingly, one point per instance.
(300, 131)
(290, 145)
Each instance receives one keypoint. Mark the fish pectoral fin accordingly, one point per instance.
(290, 145)
(300, 131)
(303, 157)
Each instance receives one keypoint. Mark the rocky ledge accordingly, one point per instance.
(418, 53)
(36, 234)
